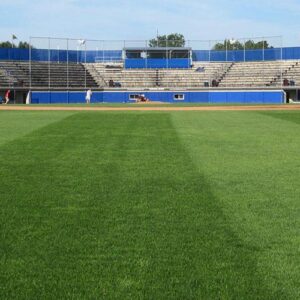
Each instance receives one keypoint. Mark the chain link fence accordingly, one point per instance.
(64, 63)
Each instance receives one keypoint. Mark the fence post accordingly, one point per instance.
(49, 64)
(244, 50)
(263, 49)
(281, 66)
(30, 58)
(226, 50)
(68, 64)
(85, 64)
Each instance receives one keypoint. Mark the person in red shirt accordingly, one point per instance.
(7, 95)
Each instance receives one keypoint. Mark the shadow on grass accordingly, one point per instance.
(111, 205)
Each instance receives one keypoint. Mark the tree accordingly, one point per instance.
(21, 45)
(229, 45)
(7, 45)
(24, 45)
(250, 44)
(171, 40)
(237, 45)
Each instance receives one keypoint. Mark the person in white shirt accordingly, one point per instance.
(88, 96)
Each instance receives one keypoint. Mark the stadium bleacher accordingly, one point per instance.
(77, 70)
(44, 75)
(98, 75)
(103, 73)
(255, 74)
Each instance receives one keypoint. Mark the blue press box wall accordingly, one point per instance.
(243, 97)
(178, 63)
(107, 55)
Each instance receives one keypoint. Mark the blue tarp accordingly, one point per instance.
(247, 55)
(60, 55)
(114, 55)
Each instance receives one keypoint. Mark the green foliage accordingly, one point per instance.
(7, 45)
(153, 205)
(237, 45)
(171, 40)
(24, 45)
(21, 45)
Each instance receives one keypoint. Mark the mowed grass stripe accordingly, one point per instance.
(109, 205)
(289, 116)
(15, 124)
(250, 160)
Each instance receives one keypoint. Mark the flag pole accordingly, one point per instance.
(13, 37)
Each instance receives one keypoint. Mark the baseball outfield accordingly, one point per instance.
(150, 204)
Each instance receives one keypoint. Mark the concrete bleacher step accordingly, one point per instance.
(227, 74)
(45, 74)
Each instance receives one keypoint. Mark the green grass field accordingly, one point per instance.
(150, 205)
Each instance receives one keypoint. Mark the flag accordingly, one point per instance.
(81, 42)
(14, 37)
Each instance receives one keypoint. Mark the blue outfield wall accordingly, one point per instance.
(238, 97)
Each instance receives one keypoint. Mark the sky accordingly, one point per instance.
(141, 19)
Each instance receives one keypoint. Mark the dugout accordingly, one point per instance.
(17, 95)
(157, 58)
(292, 94)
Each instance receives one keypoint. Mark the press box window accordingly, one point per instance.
(179, 97)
